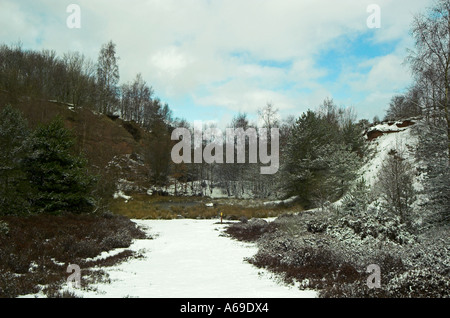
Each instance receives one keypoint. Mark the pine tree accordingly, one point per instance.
(13, 186)
(342, 166)
(59, 178)
(356, 201)
(299, 168)
(321, 158)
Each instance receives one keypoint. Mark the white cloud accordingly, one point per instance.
(386, 73)
(185, 47)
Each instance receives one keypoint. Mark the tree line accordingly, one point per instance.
(428, 97)
(319, 155)
(79, 82)
(75, 79)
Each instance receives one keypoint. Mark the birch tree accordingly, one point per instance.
(430, 60)
(108, 77)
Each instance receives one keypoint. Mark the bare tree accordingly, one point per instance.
(108, 77)
(430, 61)
(396, 185)
(80, 71)
(137, 101)
(269, 116)
(405, 105)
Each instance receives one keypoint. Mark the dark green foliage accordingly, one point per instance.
(352, 137)
(38, 172)
(13, 186)
(301, 164)
(322, 156)
(59, 178)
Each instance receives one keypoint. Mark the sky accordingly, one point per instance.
(212, 59)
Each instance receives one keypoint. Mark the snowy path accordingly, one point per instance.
(189, 259)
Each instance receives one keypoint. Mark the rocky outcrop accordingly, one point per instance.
(388, 128)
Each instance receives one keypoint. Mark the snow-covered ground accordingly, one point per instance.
(191, 259)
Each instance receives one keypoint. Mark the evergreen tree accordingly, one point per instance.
(59, 178)
(13, 186)
(357, 200)
(297, 158)
(321, 158)
(342, 165)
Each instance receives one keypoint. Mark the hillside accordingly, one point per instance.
(108, 143)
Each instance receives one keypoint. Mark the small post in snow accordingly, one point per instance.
(221, 217)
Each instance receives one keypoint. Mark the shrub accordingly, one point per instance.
(119, 239)
(37, 249)
(250, 230)
(4, 228)
(375, 226)
(422, 282)
(331, 254)
(315, 226)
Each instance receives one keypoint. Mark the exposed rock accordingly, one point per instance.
(388, 128)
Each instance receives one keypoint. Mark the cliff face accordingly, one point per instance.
(382, 139)
(388, 128)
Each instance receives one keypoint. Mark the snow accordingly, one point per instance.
(385, 127)
(383, 144)
(398, 138)
(278, 202)
(206, 187)
(191, 259)
(120, 194)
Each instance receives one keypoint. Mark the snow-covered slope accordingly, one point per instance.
(392, 138)
(383, 138)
